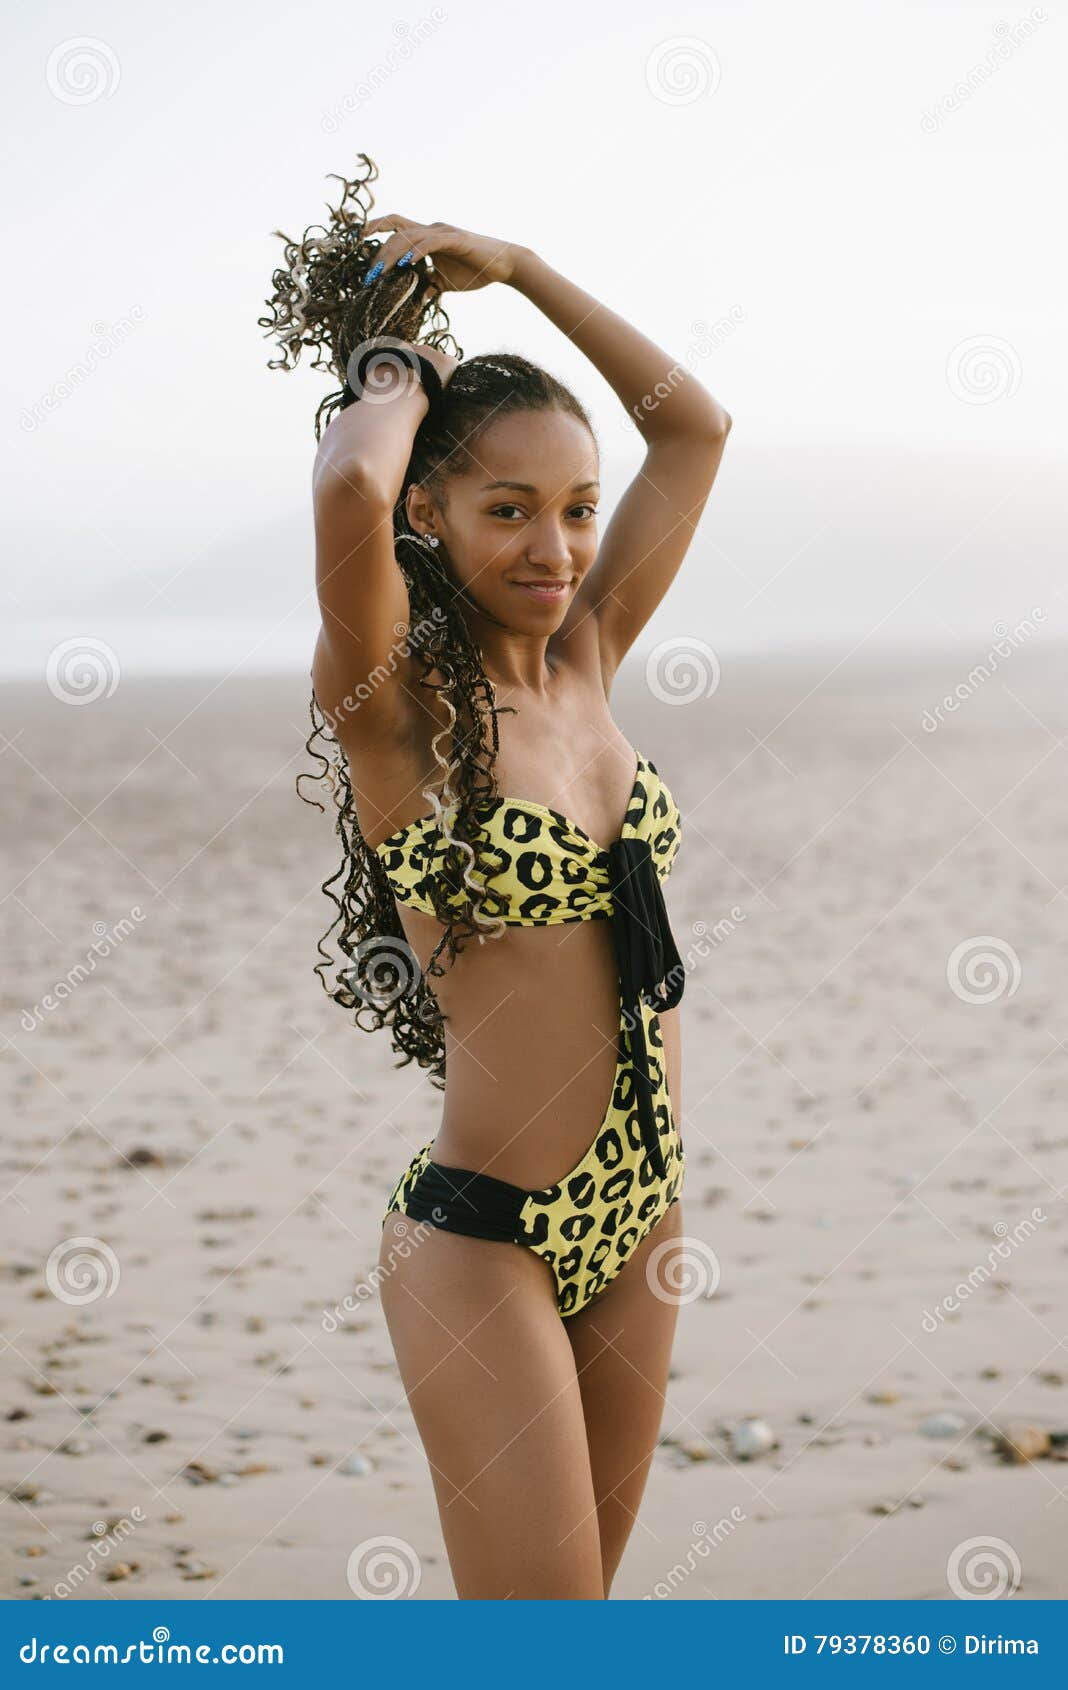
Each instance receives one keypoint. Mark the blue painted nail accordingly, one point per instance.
(401, 262)
(372, 275)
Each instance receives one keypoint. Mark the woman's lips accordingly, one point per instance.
(546, 592)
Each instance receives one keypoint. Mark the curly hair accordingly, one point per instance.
(319, 302)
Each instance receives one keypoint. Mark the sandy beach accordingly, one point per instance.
(875, 1071)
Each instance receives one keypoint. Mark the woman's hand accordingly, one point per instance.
(461, 261)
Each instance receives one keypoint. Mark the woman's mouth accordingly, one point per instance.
(546, 592)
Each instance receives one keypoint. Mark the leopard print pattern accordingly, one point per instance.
(548, 870)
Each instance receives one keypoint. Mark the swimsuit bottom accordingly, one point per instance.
(591, 1221)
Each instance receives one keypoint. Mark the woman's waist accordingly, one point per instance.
(525, 1098)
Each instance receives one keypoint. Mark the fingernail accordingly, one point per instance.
(401, 262)
(372, 275)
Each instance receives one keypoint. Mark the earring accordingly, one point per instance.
(427, 539)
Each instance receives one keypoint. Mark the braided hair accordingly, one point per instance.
(319, 302)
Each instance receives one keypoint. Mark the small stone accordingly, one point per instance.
(356, 1465)
(17, 1414)
(121, 1570)
(75, 1446)
(943, 1425)
(886, 1506)
(884, 1397)
(196, 1570)
(142, 1156)
(1020, 1441)
(752, 1438)
(199, 1473)
(156, 1437)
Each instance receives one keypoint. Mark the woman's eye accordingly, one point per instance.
(505, 510)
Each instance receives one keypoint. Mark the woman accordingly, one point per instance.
(472, 624)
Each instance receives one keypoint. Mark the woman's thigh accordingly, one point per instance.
(622, 1347)
(490, 1378)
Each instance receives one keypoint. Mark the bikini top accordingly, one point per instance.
(543, 869)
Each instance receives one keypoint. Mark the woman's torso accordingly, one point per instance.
(531, 1035)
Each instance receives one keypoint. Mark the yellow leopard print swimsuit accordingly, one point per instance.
(590, 1222)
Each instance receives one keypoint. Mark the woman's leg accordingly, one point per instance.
(622, 1348)
(490, 1377)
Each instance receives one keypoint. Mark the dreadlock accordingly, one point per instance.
(319, 302)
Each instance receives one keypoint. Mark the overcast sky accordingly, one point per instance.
(841, 216)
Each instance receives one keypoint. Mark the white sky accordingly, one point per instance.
(163, 503)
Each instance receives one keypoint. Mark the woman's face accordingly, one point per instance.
(520, 526)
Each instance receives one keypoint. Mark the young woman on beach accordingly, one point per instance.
(500, 900)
